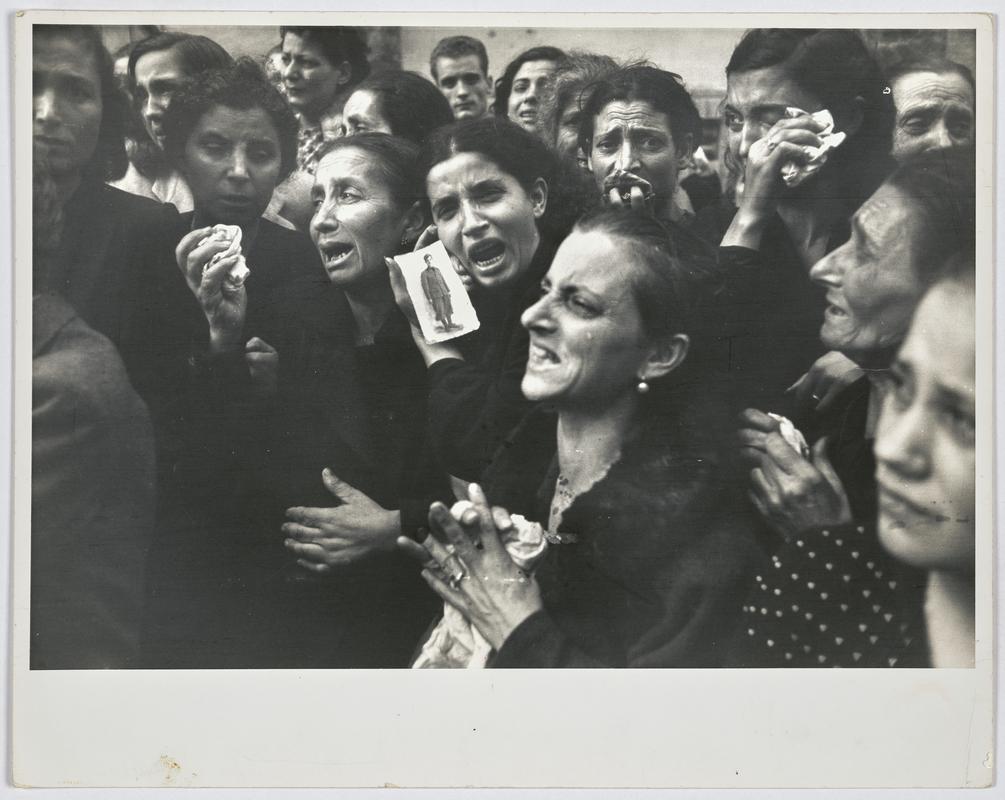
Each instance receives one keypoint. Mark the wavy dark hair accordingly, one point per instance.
(395, 158)
(109, 161)
(339, 43)
(518, 153)
(412, 105)
(243, 86)
(195, 54)
(504, 85)
(836, 67)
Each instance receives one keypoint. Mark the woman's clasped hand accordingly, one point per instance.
(467, 565)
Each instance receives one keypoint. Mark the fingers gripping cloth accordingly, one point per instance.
(794, 174)
(455, 643)
(232, 234)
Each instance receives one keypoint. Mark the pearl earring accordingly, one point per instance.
(643, 387)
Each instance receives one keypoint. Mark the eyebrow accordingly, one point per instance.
(955, 395)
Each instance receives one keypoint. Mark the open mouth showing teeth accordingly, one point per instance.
(335, 254)
(542, 356)
(487, 255)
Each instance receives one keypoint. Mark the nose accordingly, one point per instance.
(827, 272)
(628, 159)
(45, 106)
(538, 316)
(940, 138)
(153, 106)
(902, 441)
(289, 70)
(324, 220)
(751, 133)
(238, 167)
(473, 225)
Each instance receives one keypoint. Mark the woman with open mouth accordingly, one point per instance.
(620, 469)
(925, 460)
(491, 189)
(834, 596)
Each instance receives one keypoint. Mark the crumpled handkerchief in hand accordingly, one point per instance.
(794, 174)
(454, 642)
(231, 234)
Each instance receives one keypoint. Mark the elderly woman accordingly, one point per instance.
(925, 460)
(157, 69)
(526, 85)
(647, 554)
(399, 103)
(348, 457)
(775, 79)
(639, 128)
(834, 597)
(490, 186)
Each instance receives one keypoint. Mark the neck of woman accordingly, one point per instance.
(949, 616)
(810, 220)
(370, 304)
(590, 441)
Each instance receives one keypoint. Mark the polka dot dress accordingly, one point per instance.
(833, 598)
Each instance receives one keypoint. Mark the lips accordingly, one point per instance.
(540, 357)
(51, 141)
(487, 255)
(903, 509)
(334, 254)
(833, 309)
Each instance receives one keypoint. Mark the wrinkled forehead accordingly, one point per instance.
(914, 88)
(631, 114)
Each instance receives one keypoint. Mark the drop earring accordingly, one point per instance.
(643, 386)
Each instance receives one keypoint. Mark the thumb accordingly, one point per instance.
(338, 487)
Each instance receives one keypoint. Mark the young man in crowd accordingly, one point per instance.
(460, 68)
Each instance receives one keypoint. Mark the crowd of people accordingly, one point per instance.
(707, 419)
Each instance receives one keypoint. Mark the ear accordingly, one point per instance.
(856, 113)
(685, 158)
(539, 197)
(665, 357)
(414, 222)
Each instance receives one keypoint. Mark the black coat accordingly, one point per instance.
(656, 576)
